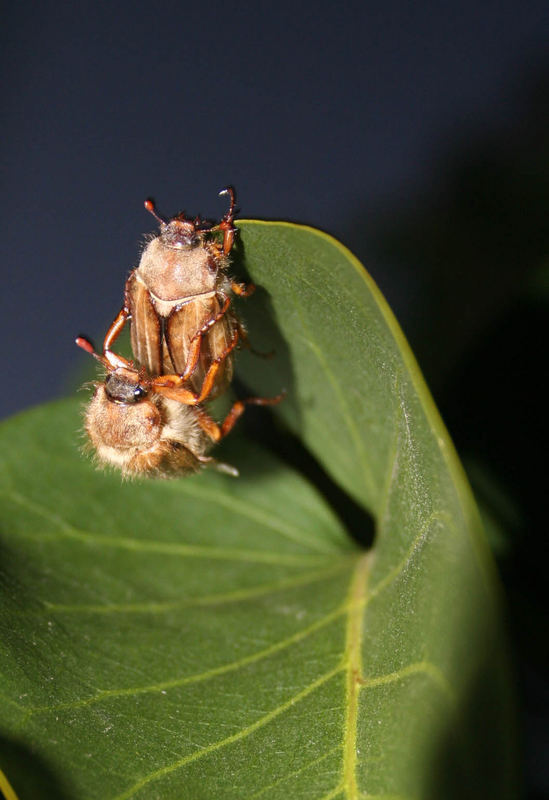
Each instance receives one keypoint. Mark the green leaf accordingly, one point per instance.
(218, 638)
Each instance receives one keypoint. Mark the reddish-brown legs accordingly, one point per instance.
(112, 335)
(227, 223)
(213, 319)
(243, 289)
(216, 431)
(193, 356)
(169, 385)
(172, 385)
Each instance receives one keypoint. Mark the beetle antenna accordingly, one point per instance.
(151, 208)
(86, 345)
(231, 212)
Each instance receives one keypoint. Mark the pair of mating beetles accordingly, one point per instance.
(147, 417)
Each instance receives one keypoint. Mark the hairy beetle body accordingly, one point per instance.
(170, 297)
(155, 426)
(154, 436)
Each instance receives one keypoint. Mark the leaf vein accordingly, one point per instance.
(237, 596)
(297, 772)
(417, 668)
(163, 548)
(353, 645)
(245, 732)
(418, 540)
(264, 517)
(107, 694)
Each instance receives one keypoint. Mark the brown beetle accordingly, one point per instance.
(179, 301)
(155, 427)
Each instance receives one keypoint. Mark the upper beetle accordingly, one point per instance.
(179, 300)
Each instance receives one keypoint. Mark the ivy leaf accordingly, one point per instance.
(217, 638)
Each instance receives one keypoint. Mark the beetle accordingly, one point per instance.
(178, 301)
(155, 426)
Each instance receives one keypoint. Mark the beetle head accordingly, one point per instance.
(179, 232)
(123, 386)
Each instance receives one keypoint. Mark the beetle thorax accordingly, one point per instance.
(176, 274)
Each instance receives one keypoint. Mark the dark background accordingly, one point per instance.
(417, 133)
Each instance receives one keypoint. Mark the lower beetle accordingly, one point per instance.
(155, 427)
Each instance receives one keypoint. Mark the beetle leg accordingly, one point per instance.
(112, 335)
(192, 358)
(217, 432)
(246, 342)
(238, 409)
(172, 385)
(208, 425)
(167, 386)
(229, 233)
(227, 223)
(215, 366)
(243, 290)
(219, 466)
(212, 320)
(196, 342)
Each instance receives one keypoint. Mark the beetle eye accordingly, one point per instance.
(122, 390)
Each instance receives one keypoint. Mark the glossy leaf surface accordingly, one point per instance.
(219, 638)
